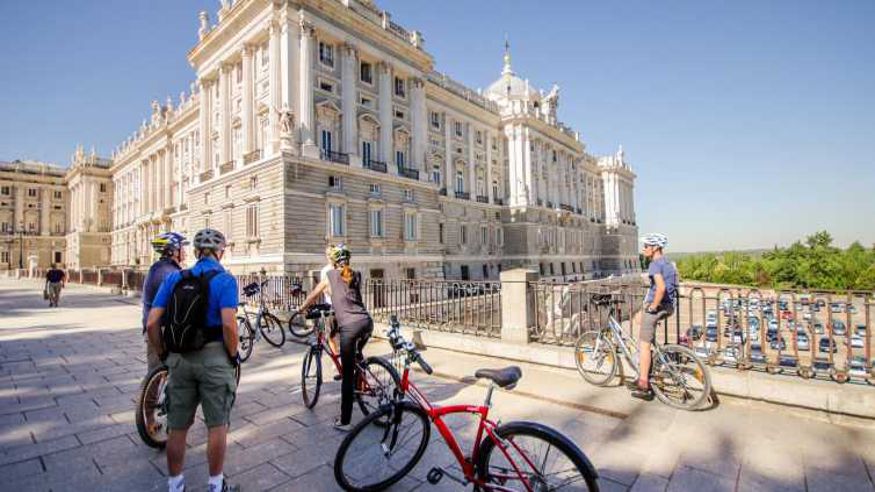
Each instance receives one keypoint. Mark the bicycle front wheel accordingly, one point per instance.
(151, 418)
(596, 358)
(536, 457)
(382, 448)
(299, 327)
(247, 338)
(680, 379)
(272, 330)
(311, 378)
(377, 382)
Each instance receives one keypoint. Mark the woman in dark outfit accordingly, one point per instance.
(343, 285)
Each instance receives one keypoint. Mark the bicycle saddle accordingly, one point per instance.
(316, 310)
(505, 378)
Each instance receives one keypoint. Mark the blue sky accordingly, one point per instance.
(749, 123)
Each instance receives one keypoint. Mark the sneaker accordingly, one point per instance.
(342, 427)
(226, 487)
(338, 377)
(641, 394)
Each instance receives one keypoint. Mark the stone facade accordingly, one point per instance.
(321, 121)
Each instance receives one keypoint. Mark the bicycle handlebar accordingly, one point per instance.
(398, 343)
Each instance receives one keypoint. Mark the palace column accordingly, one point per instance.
(488, 139)
(348, 103)
(275, 89)
(248, 98)
(204, 110)
(225, 116)
(306, 85)
(45, 206)
(472, 164)
(448, 158)
(419, 126)
(385, 96)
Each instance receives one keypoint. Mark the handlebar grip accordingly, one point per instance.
(423, 364)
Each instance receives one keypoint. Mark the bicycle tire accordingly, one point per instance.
(152, 381)
(247, 338)
(383, 427)
(272, 330)
(511, 432)
(586, 345)
(310, 390)
(678, 355)
(376, 393)
(298, 326)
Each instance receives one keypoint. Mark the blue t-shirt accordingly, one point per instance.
(223, 290)
(157, 273)
(669, 274)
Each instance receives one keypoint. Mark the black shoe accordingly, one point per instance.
(642, 394)
(338, 377)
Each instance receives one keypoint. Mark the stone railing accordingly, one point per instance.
(251, 157)
(461, 90)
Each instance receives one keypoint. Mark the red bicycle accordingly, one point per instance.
(376, 379)
(382, 448)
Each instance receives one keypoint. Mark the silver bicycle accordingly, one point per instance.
(678, 377)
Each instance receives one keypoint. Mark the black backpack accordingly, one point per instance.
(185, 319)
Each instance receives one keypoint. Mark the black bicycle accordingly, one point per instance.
(253, 326)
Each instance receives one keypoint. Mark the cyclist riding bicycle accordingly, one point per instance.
(343, 285)
(658, 305)
(201, 368)
(169, 248)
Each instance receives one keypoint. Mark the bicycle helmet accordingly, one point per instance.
(168, 242)
(339, 254)
(655, 239)
(209, 239)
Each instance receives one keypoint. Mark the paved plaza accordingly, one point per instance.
(69, 376)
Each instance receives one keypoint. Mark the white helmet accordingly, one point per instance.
(209, 239)
(655, 239)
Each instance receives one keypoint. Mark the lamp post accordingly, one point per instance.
(9, 243)
(21, 246)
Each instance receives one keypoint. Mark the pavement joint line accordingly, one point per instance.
(526, 394)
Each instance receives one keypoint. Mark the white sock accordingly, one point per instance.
(176, 484)
(216, 482)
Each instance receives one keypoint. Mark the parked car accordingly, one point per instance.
(802, 342)
(778, 344)
(838, 328)
(856, 341)
(753, 322)
(738, 336)
(756, 354)
(823, 345)
(773, 324)
(852, 309)
(821, 364)
(818, 328)
(837, 307)
(860, 329)
(711, 334)
(692, 335)
(857, 367)
(771, 334)
(787, 361)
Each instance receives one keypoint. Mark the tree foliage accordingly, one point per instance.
(811, 264)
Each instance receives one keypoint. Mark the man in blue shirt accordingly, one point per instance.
(169, 246)
(658, 305)
(204, 377)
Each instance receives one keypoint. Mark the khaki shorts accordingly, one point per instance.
(205, 377)
(650, 321)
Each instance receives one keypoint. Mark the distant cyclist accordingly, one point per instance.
(658, 305)
(171, 255)
(55, 281)
(343, 285)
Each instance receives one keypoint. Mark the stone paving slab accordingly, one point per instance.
(69, 377)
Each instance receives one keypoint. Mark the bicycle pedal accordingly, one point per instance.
(434, 475)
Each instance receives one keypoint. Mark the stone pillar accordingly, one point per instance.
(526, 162)
(385, 96)
(19, 205)
(160, 178)
(419, 124)
(248, 98)
(289, 47)
(306, 85)
(275, 89)
(472, 165)
(225, 117)
(517, 306)
(45, 207)
(449, 178)
(204, 114)
(348, 103)
(488, 141)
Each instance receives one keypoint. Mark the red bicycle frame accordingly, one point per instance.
(435, 413)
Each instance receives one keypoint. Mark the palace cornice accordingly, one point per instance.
(440, 95)
(232, 24)
(575, 146)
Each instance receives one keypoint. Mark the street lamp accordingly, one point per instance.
(21, 246)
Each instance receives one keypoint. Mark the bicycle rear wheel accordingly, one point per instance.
(382, 448)
(247, 338)
(151, 414)
(683, 382)
(596, 358)
(377, 382)
(299, 327)
(311, 377)
(544, 458)
(272, 330)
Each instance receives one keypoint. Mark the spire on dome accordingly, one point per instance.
(507, 70)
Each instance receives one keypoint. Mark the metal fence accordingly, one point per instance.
(468, 307)
(281, 294)
(810, 334)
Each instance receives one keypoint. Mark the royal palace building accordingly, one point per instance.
(322, 121)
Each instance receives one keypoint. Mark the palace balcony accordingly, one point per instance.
(498, 201)
(464, 195)
(482, 199)
(333, 156)
(408, 173)
(373, 165)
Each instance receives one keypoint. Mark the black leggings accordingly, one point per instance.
(352, 338)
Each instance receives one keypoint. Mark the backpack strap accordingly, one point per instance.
(186, 274)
